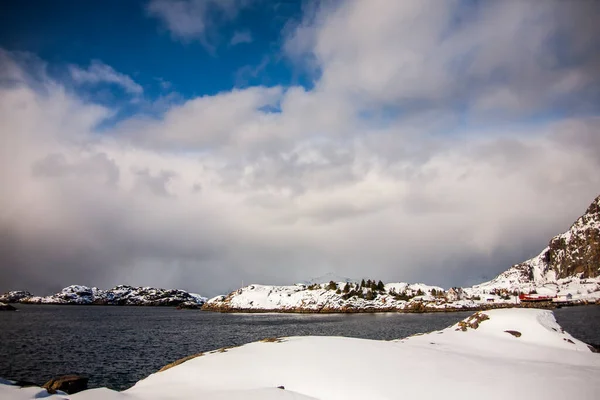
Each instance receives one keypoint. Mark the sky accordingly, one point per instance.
(199, 144)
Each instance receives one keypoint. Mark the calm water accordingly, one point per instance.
(117, 346)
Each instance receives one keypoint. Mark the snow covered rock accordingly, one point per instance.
(119, 295)
(14, 296)
(332, 297)
(483, 361)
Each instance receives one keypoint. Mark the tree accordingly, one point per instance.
(370, 295)
(332, 285)
(347, 287)
(338, 291)
(380, 286)
(420, 292)
(433, 292)
(362, 283)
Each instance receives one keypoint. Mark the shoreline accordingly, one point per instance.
(424, 310)
(345, 310)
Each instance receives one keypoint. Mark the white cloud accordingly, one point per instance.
(195, 19)
(98, 72)
(240, 37)
(412, 53)
(371, 172)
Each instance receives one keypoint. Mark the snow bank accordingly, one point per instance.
(474, 359)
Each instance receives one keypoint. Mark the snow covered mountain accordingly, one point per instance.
(569, 265)
(119, 295)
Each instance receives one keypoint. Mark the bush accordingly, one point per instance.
(332, 285)
(370, 295)
(338, 291)
(403, 296)
(420, 292)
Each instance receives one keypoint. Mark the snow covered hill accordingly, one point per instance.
(568, 269)
(119, 295)
(329, 297)
(497, 354)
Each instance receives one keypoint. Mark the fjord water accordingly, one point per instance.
(117, 346)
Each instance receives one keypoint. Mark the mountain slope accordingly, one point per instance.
(571, 262)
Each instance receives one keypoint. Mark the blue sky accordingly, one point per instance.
(125, 36)
(198, 143)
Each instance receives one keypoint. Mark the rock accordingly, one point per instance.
(14, 296)
(514, 333)
(180, 361)
(189, 305)
(69, 384)
(7, 307)
(119, 295)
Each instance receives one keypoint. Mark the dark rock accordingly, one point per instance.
(7, 307)
(595, 348)
(190, 305)
(281, 387)
(514, 333)
(69, 384)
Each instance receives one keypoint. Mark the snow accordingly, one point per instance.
(486, 362)
(318, 298)
(122, 294)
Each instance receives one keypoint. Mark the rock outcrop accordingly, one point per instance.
(69, 384)
(7, 307)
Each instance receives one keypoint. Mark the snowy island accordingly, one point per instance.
(122, 295)
(497, 354)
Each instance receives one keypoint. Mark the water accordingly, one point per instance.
(117, 346)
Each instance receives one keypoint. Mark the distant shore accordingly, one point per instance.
(411, 310)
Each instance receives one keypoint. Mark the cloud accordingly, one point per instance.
(196, 19)
(514, 56)
(435, 144)
(98, 72)
(240, 37)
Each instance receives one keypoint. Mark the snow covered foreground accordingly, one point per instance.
(471, 360)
